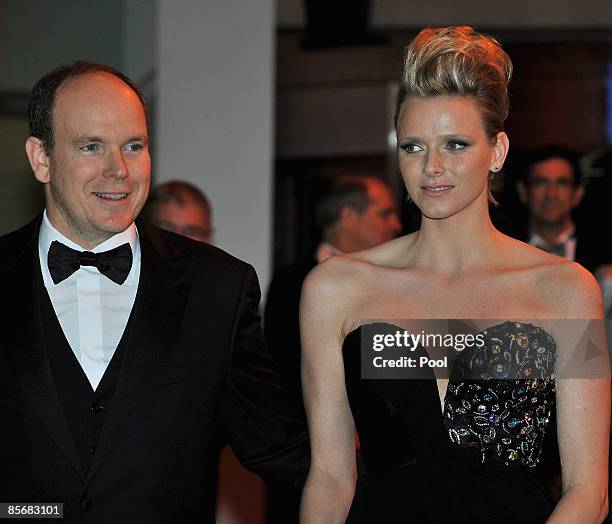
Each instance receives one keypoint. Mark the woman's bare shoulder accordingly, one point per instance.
(569, 289)
(343, 270)
(337, 276)
(578, 292)
(341, 287)
(329, 295)
(523, 256)
(564, 288)
(390, 254)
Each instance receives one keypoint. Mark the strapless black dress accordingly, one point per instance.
(471, 463)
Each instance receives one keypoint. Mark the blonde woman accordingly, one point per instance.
(433, 452)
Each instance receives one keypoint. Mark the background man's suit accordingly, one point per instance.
(591, 252)
(190, 369)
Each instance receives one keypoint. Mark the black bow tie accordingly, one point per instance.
(114, 264)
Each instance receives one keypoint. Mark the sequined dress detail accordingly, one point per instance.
(471, 462)
(503, 415)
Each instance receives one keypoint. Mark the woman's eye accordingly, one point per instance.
(410, 147)
(455, 145)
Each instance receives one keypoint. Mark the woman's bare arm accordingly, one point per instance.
(330, 484)
(583, 405)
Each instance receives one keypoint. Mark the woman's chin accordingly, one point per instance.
(438, 213)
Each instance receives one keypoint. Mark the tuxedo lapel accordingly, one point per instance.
(163, 289)
(26, 347)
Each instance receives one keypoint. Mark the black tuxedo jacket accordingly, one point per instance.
(195, 370)
(282, 321)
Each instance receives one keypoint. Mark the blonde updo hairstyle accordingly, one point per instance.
(458, 61)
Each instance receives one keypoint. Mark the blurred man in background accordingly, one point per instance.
(182, 208)
(551, 189)
(358, 212)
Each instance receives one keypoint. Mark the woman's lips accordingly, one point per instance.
(437, 190)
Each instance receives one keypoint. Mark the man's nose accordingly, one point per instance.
(116, 167)
(552, 190)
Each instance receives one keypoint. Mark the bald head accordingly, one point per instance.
(358, 213)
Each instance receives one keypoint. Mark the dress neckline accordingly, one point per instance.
(482, 331)
(442, 402)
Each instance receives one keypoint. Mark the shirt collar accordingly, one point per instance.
(48, 234)
(537, 240)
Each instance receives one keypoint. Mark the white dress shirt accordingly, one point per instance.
(92, 310)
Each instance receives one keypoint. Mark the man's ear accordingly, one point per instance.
(39, 160)
(521, 189)
(578, 195)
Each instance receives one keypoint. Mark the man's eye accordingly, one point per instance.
(410, 147)
(90, 148)
(134, 147)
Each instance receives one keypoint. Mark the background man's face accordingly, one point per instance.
(186, 219)
(379, 222)
(551, 194)
(99, 169)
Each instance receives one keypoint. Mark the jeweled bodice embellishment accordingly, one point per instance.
(500, 396)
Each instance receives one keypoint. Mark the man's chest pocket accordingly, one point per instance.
(184, 393)
(175, 374)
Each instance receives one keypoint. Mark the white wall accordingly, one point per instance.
(139, 25)
(215, 114)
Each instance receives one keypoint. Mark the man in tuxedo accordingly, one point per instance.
(551, 190)
(128, 353)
